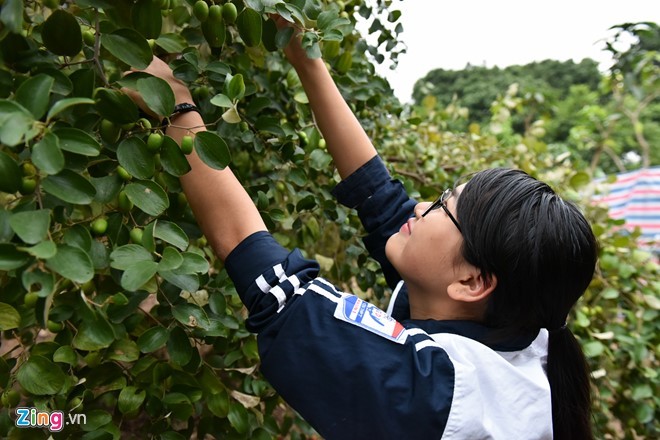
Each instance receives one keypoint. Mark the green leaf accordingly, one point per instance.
(135, 157)
(128, 255)
(181, 280)
(34, 94)
(94, 335)
(106, 187)
(66, 355)
(41, 377)
(69, 187)
(72, 263)
(236, 87)
(580, 180)
(11, 258)
(66, 103)
(148, 196)
(47, 155)
(172, 43)
(61, 34)
(250, 27)
(221, 100)
(191, 315)
(157, 95)
(123, 350)
(212, 149)
(319, 160)
(78, 141)
(171, 259)
(10, 174)
(218, 404)
(193, 263)
(11, 15)
(129, 46)
(172, 158)
(283, 36)
(116, 106)
(153, 339)
(138, 275)
(41, 282)
(231, 116)
(95, 420)
(238, 417)
(171, 233)
(31, 226)
(130, 399)
(178, 346)
(147, 18)
(16, 123)
(593, 349)
(9, 317)
(43, 250)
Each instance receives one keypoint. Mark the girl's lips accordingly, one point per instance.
(407, 227)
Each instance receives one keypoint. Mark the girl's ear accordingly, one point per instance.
(472, 287)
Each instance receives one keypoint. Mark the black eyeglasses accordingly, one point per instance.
(441, 202)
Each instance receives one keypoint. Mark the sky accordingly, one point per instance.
(450, 34)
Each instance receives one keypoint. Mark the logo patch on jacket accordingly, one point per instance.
(353, 310)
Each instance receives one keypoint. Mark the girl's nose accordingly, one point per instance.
(421, 208)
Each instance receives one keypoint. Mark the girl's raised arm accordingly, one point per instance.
(347, 142)
(222, 207)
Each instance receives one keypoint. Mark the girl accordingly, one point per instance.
(474, 343)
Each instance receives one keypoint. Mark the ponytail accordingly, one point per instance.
(568, 375)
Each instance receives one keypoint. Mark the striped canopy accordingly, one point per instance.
(635, 198)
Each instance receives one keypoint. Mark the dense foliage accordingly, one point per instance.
(113, 306)
(476, 87)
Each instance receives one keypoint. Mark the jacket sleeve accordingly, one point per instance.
(350, 370)
(383, 206)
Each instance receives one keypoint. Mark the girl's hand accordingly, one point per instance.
(293, 51)
(161, 69)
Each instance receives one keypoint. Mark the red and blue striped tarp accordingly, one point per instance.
(635, 198)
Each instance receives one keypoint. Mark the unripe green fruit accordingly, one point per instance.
(109, 131)
(215, 13)
(99, 226)
(136, 235)
(28, 169)
(10, 398)
(125, 175)
(201, 10)
(229, 12)
(89, 38)
(187, 144)
(54, 327)
(144, 123)
(124, 203)
(154, 142)
(28, 185)
(30, 299)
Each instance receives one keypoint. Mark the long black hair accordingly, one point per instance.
(543, 253)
